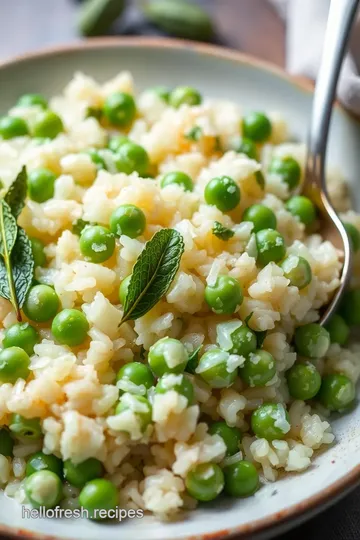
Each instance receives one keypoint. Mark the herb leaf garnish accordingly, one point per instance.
(16, 256)
(222, 232)
(193, 361)
(153, 273)
(79, 225)
(16, 195)
(8, 230)
(194, 134)
(8, 234)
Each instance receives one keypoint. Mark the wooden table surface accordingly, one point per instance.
(251, 26)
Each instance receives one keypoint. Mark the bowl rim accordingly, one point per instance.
(344, 484)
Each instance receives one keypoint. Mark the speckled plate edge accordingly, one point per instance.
(278, 521)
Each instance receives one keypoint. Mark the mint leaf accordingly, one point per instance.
(153, 273)
(194, 134)
(193, 361)
(222, 232)
(16, 195)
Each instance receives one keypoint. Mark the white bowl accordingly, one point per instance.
(215, 72)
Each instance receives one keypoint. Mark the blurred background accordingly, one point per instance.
(252, 26)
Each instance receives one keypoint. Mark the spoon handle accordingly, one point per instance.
(340, 19)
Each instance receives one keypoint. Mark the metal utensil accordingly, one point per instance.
(341, 17)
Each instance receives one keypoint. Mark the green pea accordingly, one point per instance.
(177, 177)
(78, 474)
(139, 405)
(43, 489)
(41, 303)
(288, 169)
(6, 443)
(259, 368)
(243, 341)
(297, 270)
(97, 243)
(354, 236)
(225, 296)
(99, 496)
(134, 374)
(167, 355)
(12, 126)
(350, 307)
(338, 330)
(120, 109)
(245, 146)
(261, 216)
(302, 208)
(44, 462)
(97, 159)
(179, 383)
(214, 369)
(205, 482)
(256, 126)
(48, 124)
(37, 247)
(70, 327)
(14, 365)
(312, 340)
(41, 185)
(132, 157)
(31, 100)
(337, 392)
(241, 479)
(304, 381)
(26, 428)
(117, 141)
(21, 335)
(128, 219)
(123, 289)
(270, 421)
(163, 92)
(223, 193)
(270, 246)
(230, 435)
(184, 95)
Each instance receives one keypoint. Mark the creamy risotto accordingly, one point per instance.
(169, 348)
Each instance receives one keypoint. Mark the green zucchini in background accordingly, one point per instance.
(96, 16)
(180, 18)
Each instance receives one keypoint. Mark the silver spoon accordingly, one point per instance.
(341, 17)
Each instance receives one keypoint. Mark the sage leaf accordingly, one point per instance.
(8, 230)
(193, 361)
(222, 232)
(16, 195)
(153, 273)
(16, 272)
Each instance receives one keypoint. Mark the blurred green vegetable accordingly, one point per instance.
(97, 16)
(181, 19)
